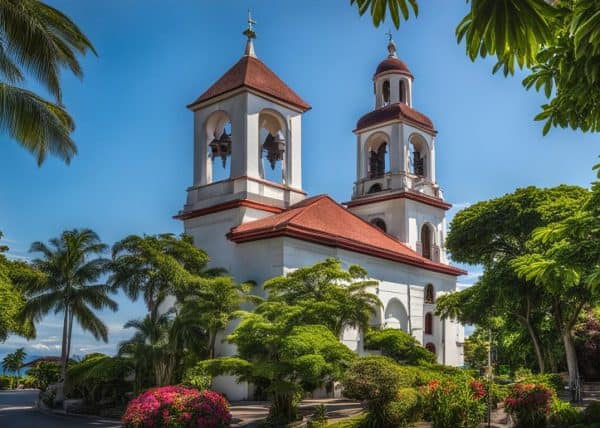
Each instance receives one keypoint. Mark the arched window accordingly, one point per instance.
(430, 347)
(429, 294)
(385, 90)
(379, 223)
(426, 241)
(402, 93)
(219, 148)
(417, 157)
(375, 188)
(377, 162)
(272, 135)
(396, 316)
(428, 323)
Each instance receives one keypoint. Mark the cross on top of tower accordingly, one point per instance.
(250, 34)
(391, 45)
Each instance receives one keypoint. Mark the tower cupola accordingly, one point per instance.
(392, 80)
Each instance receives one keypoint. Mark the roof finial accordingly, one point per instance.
(391, 45)
(251, 34)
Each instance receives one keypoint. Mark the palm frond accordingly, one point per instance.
(38, 125)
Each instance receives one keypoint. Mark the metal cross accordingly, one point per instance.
(251, 21)
(249, 32)
(389, 34)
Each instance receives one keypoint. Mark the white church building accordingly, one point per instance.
(257, 227)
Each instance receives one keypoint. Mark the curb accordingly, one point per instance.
(78, 415)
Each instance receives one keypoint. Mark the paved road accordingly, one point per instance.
(17, 411)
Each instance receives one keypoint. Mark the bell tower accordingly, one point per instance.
(396, 187)
(247, 141)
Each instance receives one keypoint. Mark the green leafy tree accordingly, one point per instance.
(284, 358)
(210, 305)
(38, 40)
(156, 266)
(72, 267)
(565, 263)
(329, 295)
(557, 41)
(14, 276)
(44, 373)
(494, 234)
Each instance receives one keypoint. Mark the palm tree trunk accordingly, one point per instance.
(69, 335)
(63, 361)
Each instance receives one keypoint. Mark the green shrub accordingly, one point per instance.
(591, 413)
(45, 373)
(563, 414)
(28, 382)
(197, 377)
(455, 404)
(551, 380)
(406, 409)
(99, 378)
(522, 373)
(5, 382)
(376, 380)
(398, 345)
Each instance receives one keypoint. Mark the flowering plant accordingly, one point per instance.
(177, 407)
(530, 403)
(455, 403)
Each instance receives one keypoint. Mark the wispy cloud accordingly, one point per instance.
(44, 347)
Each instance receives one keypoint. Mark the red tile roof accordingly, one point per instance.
(397, 111)
(392, 64)
(322, 220)
(250, 72)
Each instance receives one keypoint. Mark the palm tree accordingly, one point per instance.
(19, 359)
(70, 285)
(38, 40)
(156, 266)
(211, 304)
(13, 362)
(151, 349)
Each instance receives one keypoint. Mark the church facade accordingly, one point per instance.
(257, 227)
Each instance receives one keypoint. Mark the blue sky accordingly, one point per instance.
(135, 135)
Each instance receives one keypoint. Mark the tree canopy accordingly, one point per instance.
(503, 235)
(38, 40)
(557, 41)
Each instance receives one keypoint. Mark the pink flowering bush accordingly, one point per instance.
(177, 407)
(529, 403)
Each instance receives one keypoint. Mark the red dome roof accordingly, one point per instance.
(392, 64)
(397, 111)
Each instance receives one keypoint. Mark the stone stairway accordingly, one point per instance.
(590, 391)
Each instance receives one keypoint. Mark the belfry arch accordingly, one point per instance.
(377, 155)
(218, 151)
(273, 146)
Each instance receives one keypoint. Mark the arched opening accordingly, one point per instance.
(377, 160)
(379, 223)
(428, 323)
(385, 91)
(272, 132)
(219, 148)
(429, 294)
(375, 188)
(402, 90)
(431, 348)
(396, 316)
(426, 241)
(418, 156)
